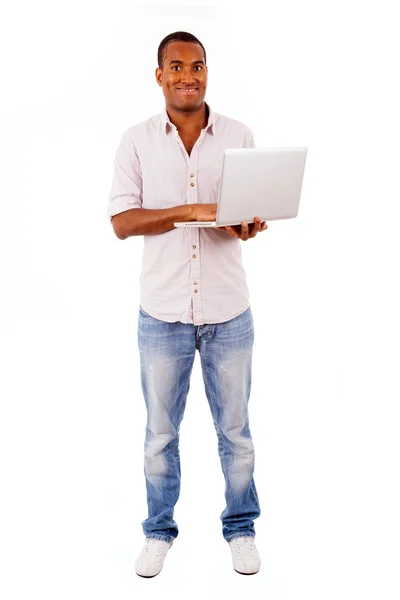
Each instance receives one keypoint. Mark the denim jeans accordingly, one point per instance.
(167, 352)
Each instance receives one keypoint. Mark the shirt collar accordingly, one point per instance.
(167, 125)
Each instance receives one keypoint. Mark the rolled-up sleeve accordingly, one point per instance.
(248, 139)
(126, 189)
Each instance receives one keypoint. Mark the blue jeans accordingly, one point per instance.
(167, 352)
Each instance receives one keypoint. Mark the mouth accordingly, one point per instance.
(187, 91)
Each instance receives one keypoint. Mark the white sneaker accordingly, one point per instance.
(151, 559)
(245, 557)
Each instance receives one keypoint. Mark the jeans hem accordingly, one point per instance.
(243, 534)
(163, 538)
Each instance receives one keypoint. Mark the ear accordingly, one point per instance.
(159, 76)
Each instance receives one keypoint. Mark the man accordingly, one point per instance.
(193, 296)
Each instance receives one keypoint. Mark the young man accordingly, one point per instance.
(194, 296)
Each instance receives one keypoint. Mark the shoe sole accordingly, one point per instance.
(240, 572)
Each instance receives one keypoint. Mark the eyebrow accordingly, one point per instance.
(194, 62)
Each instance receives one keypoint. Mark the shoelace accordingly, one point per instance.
(247, 542)
(153, 545)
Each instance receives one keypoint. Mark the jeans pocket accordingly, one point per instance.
(143, 313)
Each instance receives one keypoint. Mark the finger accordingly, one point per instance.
(224, 228)
(245, 231)
(256, 227)
(231, 230)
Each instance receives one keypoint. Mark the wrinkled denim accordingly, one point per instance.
(167, 352)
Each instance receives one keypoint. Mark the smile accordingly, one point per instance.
(187, 91)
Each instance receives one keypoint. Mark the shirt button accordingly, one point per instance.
(191, 174)
(194, 282)
(194, 256)
(195, 291)
(192, 184)
(194, 247)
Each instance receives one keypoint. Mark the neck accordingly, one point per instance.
(192, 120)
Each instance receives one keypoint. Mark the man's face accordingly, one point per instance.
(183, 69)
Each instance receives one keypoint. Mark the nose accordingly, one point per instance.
(187, 76)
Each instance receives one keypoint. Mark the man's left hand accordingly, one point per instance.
(246, 230)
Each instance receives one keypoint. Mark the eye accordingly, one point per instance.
(178, 67)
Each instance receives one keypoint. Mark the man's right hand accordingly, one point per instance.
(203, 212)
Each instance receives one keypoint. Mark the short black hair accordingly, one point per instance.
(177, 36)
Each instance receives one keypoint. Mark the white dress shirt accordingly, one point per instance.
(193, 275)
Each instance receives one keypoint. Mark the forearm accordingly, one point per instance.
(145, 221)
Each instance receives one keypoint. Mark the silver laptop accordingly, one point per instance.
(257, 182)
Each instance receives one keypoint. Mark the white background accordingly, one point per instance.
(324, 292)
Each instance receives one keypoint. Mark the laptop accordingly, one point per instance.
(257, 182)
